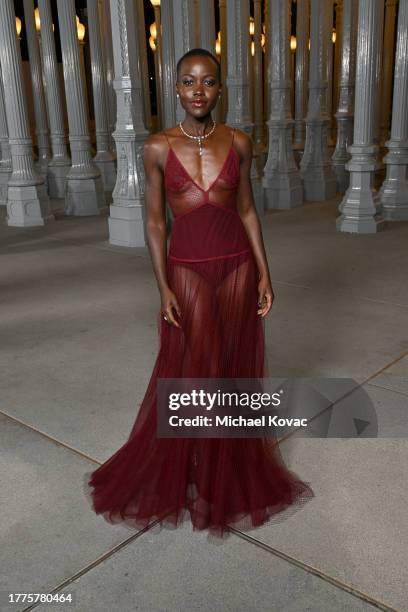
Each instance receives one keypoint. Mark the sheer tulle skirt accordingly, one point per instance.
(217, 483)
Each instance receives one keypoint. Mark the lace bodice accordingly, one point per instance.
(206, 221)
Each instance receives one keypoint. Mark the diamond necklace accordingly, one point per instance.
(199, 138)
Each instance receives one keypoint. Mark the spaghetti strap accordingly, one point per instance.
(164, 132)
(233, 134)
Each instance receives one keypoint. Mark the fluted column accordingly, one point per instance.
(179, 35)
(126, 220)
(222, 4)
(258, 78)
(60, 162)
(104, 17)
(319, 181)
(251, 85)
(360, 208)
(329, 68)
(186, 35)
(301, 72)
(5, 157)
(394, 191)
(84, 191)
(387, 67)
(345, 110)
(103, 158)
(267, 63)
(159, 68)
(144, 68)
(337, 58)
(281, 180)
(85, 80)
(169, 68)
(239, 113)
(206, 21)
(207, 36)
(40, 111)
(237, 82)
(27, 199)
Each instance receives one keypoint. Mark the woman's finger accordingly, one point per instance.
(171, 317)
(268, 304)
(265, 308)
(261, 299)
(178, 309)
(261, 302)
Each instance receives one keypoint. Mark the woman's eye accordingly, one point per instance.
(210, 83)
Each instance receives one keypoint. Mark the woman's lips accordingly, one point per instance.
(199, 103)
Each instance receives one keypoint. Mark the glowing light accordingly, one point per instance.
(293, 43)
(152, 43)
(18, 26)
(80, 31)
(218, 46)
(153, 30)
(37, 19)
(251, 26)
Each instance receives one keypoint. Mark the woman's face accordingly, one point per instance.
(198, 81)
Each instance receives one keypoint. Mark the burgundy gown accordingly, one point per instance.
(217, 483)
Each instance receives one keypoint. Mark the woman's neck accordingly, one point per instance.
(197, 127)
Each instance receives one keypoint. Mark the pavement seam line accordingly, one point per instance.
(51, 438)
(85, 456)
(254, 541)
(331, 404)
(315, 571)
(377, 386)
(396, 360)
(310, 569)
(62, 585)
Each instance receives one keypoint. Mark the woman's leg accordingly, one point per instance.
(199, 322)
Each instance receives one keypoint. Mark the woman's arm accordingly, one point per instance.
(250, 219)
(156, 223)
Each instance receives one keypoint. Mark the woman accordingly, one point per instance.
(215, 292)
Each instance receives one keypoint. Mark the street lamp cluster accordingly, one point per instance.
(153, 36)
(80, 26)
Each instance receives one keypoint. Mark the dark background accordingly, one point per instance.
(81, 11)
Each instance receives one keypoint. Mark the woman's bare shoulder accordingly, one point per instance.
(155, 149)
(155, 143)
(241, 137)
(242, 143)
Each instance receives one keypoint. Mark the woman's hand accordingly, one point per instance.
(168, 305)
(266, 296)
